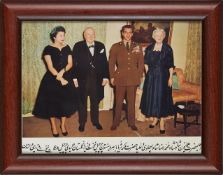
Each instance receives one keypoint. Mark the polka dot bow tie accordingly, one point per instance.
(91, 46)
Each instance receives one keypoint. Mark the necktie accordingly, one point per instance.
(127, 46)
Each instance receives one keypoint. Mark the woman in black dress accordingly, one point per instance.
(157, 101)
(56, 94)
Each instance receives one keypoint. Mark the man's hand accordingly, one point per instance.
(105, 81)
(112, 82)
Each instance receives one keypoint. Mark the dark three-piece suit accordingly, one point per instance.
(90, 70)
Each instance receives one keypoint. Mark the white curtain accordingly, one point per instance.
(35, 36)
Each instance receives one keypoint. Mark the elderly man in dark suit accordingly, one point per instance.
(91, 74)
(126, 68)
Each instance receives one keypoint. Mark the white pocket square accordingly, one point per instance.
(102, 50)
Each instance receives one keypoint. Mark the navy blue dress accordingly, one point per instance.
(157, 98)
(53, 99)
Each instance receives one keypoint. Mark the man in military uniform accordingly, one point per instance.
(126, 68)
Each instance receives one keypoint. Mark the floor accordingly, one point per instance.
(36, 127)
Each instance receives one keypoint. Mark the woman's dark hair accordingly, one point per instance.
(55, 31)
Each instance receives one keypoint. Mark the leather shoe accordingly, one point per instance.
(152, 126)
(56, 135)
(134, 128)
(64, 133)
(81, 128)
(98, 126)
(113, 127)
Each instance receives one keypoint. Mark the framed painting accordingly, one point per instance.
(143, 31)
(27, 143)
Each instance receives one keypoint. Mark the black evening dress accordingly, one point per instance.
(157, 98)
(53, 99)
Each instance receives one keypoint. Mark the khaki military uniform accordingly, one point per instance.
(126, 67)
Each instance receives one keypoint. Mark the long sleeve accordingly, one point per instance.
(141, 62)
(112, 61)
(170, 60)
(146, 60)
(105, 64)
(147, 54)
(75, 62)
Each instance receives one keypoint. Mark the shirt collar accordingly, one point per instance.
(124, 42)
(90, 44)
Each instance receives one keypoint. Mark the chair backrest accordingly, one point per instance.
(180, 75)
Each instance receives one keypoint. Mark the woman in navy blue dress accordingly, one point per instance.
(56, 95)
(157, 101)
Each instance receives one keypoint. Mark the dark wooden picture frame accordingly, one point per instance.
(13, 162)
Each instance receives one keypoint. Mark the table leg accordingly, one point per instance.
(197, 119)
